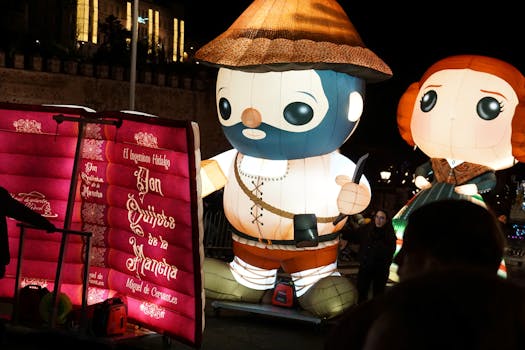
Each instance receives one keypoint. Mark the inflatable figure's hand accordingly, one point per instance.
(353, 198)
(422, 183)
(468, 189)
(212, 177)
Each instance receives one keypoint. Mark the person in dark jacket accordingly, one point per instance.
(445, 241)
(453, 309)
(377, 244)
(12, 208)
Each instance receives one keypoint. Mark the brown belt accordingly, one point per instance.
(323, 238)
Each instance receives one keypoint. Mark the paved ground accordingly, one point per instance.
(227, 329)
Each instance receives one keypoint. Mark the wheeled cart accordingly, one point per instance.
(56, 289)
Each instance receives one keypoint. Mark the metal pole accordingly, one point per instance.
(133, 68)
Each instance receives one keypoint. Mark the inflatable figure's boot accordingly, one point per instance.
(329, 297)
(220, 284)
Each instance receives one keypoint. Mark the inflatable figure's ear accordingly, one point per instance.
(404, 112)
(518, 132)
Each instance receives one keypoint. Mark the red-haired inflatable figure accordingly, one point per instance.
(467, 115)
(290, 92)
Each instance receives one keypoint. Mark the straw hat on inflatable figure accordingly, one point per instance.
(290, 91)
(467, 114)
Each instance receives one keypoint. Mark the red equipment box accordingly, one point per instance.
(284, 294)
(110, 317)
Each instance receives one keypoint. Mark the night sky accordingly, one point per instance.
(409, 38)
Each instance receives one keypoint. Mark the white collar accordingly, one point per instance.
(454, 162)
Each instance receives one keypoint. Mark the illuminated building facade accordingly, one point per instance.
(29, 24)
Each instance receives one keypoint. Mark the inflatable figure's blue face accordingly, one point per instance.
(288, 115)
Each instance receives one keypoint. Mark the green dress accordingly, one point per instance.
(444, 180)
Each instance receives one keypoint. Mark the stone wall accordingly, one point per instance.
(178, 96)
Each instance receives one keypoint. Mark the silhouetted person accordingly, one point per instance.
(346, 241)
(506, 227)
(377, 244)
(453, 309)
(441, 236)
(10, 207)
(450, 233)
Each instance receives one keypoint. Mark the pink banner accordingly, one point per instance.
(161, 296)
(138, 218)
(33, 250)
(36, 234)
(93, 190)
(14, 164)
(37, 154)
(34, 119)
(136, 187)
(46, 270)
(157, 160)
(163, 320)
(26, 186)
(147, 180)
(163, 269)
(135, 194)
(151, 135)
(120, 238)
(31, 144)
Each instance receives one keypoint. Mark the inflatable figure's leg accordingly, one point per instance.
(323, 291)
(399, 224)
(236, 281)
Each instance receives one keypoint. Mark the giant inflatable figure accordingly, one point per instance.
(467, 114)
(290, 91)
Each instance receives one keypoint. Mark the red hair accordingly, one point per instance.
(485, 64)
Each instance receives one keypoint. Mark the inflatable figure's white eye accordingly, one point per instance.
(355, 106)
